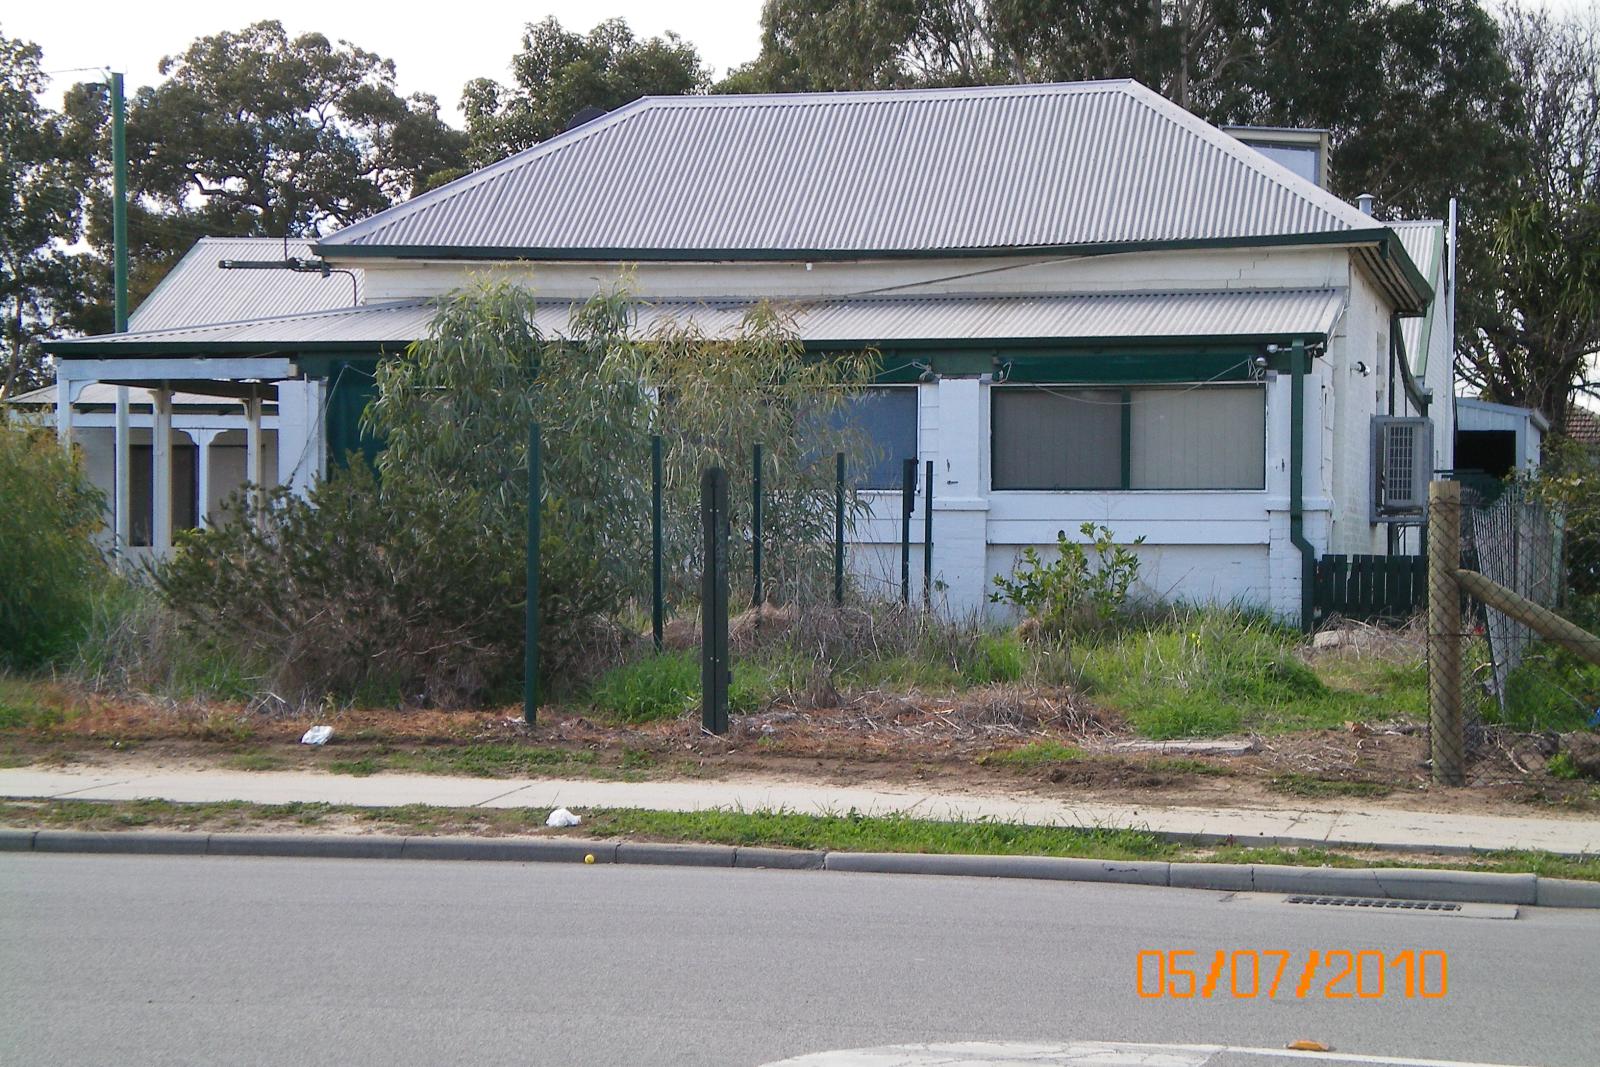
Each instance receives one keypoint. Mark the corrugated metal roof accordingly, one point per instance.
(883, 320)
(1423, 240)
(197, 291)
(940, 170)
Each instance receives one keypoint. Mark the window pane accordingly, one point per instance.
(1208, 438)
(888, 419)
(1057, 438)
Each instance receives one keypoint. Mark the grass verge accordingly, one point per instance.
(851, 832)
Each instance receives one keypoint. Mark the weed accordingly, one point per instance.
(359, 768)
(1561, 766)
(997, 657)
(256, 761)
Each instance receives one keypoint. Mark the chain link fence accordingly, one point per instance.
(1513, 663)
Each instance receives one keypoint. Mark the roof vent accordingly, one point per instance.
(1364, 202)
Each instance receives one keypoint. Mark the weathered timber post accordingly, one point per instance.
(1447, 737)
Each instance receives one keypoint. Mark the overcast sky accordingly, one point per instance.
(438, 50)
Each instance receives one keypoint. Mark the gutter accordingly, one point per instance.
(1297, 458)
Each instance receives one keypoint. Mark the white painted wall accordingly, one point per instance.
(1205, 546)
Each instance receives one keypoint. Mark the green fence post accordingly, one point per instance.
(757, 592)
(927, 536)
(715, 668)
(838, 529)
(530, 650)
(658, 597)
(908, 504)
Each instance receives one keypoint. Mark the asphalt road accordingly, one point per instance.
(144, 960)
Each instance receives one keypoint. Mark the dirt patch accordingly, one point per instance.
(933, 741)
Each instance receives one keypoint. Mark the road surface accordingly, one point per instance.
(144, 960)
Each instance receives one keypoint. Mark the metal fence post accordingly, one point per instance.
(1446, 736)
(757, 593)
(908, 504)
(658, 597)
(715, 668)
(838, 529)
(530, 650)
(927, 536)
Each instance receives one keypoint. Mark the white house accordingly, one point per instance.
(1091, 305)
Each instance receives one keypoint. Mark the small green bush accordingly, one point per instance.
(50, 570)
(1070, 593)
(1551, 689)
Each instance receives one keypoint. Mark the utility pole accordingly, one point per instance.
(122, 493)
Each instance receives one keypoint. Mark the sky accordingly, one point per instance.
(432, 52)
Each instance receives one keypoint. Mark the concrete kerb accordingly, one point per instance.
(1397, 883)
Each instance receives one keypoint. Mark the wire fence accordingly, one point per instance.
(1513, 663)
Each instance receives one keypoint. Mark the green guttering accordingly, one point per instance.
(1398, 354)
(1297, 460)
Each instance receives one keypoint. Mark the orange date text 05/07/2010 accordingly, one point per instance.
(1332, 974)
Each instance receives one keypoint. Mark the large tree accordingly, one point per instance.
(256, 132)
(41, 214)
(559, 74)
(1535, 331)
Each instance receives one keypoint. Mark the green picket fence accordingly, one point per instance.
(1370, 588)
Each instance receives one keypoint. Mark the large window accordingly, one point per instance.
(887, 417)
(1142, 437)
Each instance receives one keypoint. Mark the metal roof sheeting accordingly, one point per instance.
(940, 170)
(884, 320)
(197, 291)
(1423, 240)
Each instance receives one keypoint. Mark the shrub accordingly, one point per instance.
(1070, 593)
(357, 588)
(1551, 689)
(50, 570)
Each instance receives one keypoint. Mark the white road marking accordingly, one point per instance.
(1085, 1054)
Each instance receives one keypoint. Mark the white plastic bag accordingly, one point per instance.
(317, 735)
(562, 817)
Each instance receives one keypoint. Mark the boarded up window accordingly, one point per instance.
(888, 418)
(1048, 438)
(1210, 438)
(1167, 437)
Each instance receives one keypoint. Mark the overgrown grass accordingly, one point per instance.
(1034, 754)
(848, 832)
(26, 706)
(1196, 673)
(1551, 689)
(1306, 785)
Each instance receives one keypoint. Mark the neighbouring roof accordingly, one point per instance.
(1583, 426)
(1094, 166)
(1475, 414)
(196, 290)
(104, 395)
(1424, 241)
(1149, 316)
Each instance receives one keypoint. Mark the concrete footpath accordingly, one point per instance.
(1390, 830)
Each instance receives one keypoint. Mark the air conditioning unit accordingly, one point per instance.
(1402, 464)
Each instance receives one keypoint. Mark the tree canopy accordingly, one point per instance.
(559, 74)
(41, 201)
